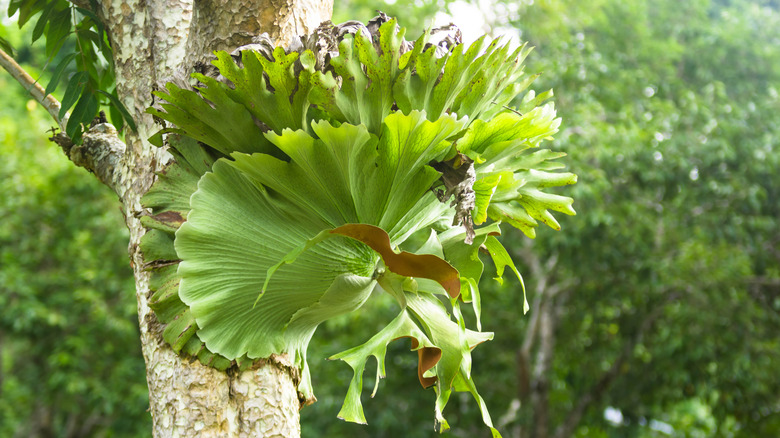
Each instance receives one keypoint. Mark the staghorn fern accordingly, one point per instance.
(305, 178)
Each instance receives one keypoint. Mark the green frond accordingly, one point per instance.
(292, 189)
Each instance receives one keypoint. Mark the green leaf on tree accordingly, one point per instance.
(59, 29)
(43, 20)
(6, 46)
(85, 110)
(75, 87)
(57, 74)
(116, 103)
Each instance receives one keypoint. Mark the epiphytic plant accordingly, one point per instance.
(303, 179)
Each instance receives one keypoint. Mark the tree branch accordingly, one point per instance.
(543, 273)
(540, 388)
(101, 152)
(34, 88)
(595, 392)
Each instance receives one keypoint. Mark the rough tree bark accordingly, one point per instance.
(152, 39)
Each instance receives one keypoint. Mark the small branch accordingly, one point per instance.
(523, 355)
(545, 291)
(540, 388)
(530, 332)
(34, 88)
(764, 281)
(100, 152)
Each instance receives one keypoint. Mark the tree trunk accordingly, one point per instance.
(151, 40)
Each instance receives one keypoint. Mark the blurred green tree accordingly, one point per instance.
(669, 287)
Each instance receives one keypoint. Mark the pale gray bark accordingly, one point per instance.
(151, 40)
(540, 389)
(535, 356)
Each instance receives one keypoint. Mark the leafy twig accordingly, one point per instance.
(51, 104)
(101, 150)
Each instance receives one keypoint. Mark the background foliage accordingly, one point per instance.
(69, 358)
(668, 284)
